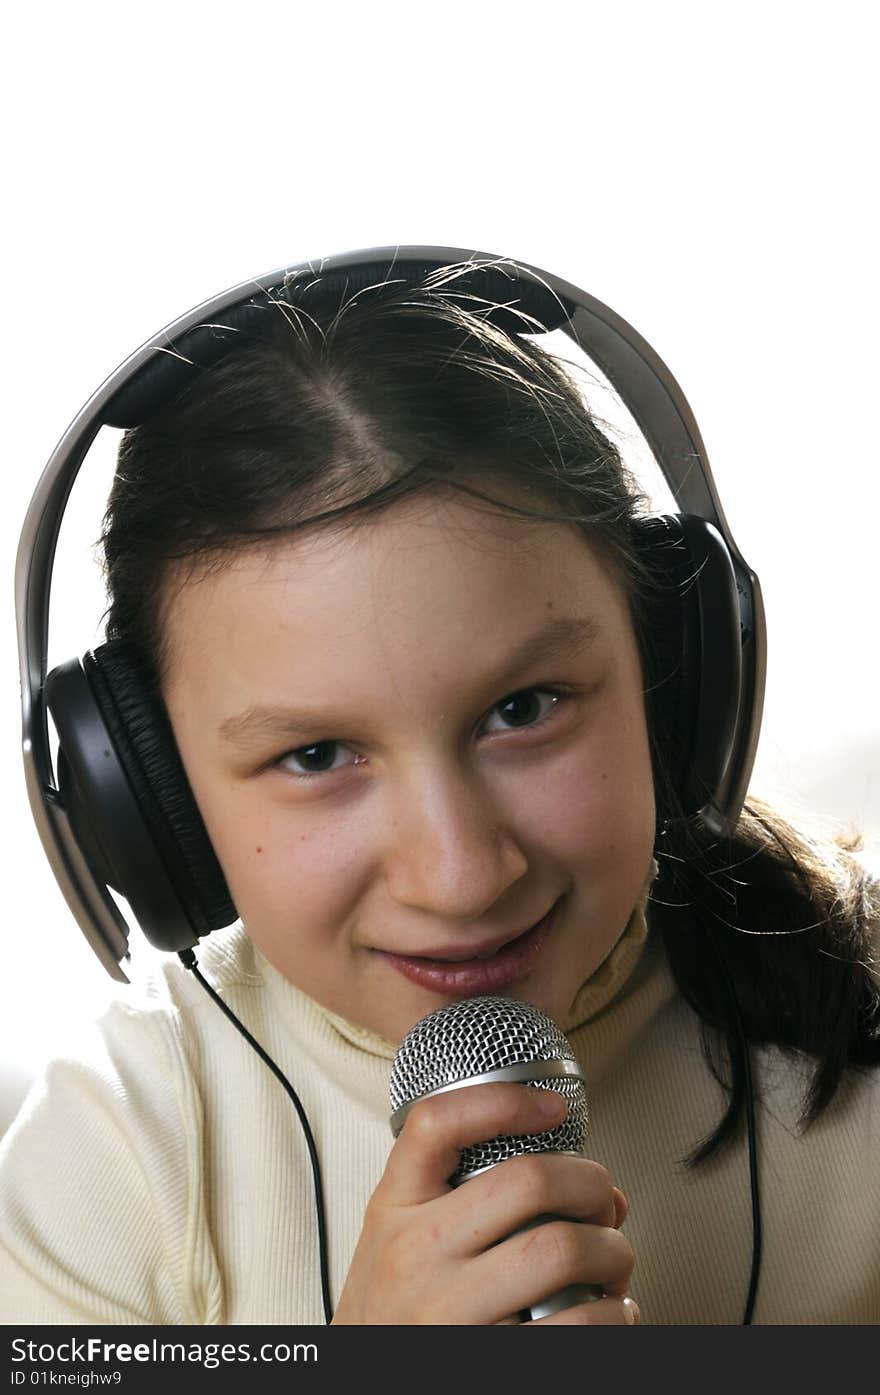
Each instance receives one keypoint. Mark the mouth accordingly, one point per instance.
(484, 969)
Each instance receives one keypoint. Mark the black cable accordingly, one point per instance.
(755, 1274)
(188, 959)
(753, 1166)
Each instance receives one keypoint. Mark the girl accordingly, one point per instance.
(376, 570)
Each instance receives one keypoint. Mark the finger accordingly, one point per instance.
(427, 1150)
(621, 1207)
(528, 1268)
(605, 1312)
(520, 1190)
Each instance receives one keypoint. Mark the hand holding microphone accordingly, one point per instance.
(534, 1231)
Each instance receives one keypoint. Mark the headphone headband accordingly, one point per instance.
(164, 364)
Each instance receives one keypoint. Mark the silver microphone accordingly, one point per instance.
(480, 1040)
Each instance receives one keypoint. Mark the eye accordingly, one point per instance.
(523, 708)
(317, 759)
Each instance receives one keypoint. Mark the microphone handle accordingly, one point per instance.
(567, 1297)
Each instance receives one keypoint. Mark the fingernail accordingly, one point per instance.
(631, 1313)
(552, 1104)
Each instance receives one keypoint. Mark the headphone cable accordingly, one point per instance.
(188, 959)
(753, 1170)
(745, 1056)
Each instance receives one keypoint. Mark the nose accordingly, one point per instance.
(451, 851)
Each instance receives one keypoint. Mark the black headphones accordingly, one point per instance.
(121, 813)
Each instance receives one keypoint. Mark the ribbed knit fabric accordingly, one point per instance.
(160, 1174)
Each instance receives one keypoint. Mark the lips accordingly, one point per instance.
(494, 965)
(485, 951)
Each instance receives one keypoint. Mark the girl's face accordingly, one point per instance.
(409, 743)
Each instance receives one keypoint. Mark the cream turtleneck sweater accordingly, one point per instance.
(160, 1174)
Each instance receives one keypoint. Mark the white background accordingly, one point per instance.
(708, 171)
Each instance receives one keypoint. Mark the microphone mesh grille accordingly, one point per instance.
(474, 1037)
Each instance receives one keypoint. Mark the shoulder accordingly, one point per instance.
(134, 1070)
(100, 1174)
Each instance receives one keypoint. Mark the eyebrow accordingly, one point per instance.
(568, 635)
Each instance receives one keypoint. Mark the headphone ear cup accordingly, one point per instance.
(128, 801)
(138, 725)
(691, 642)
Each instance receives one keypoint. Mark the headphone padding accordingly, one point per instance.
(138, 724)
(691, 647)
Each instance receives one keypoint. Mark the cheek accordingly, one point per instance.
(283, 870)
(596, 801)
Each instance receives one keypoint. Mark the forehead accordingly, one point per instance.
(417, 581)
